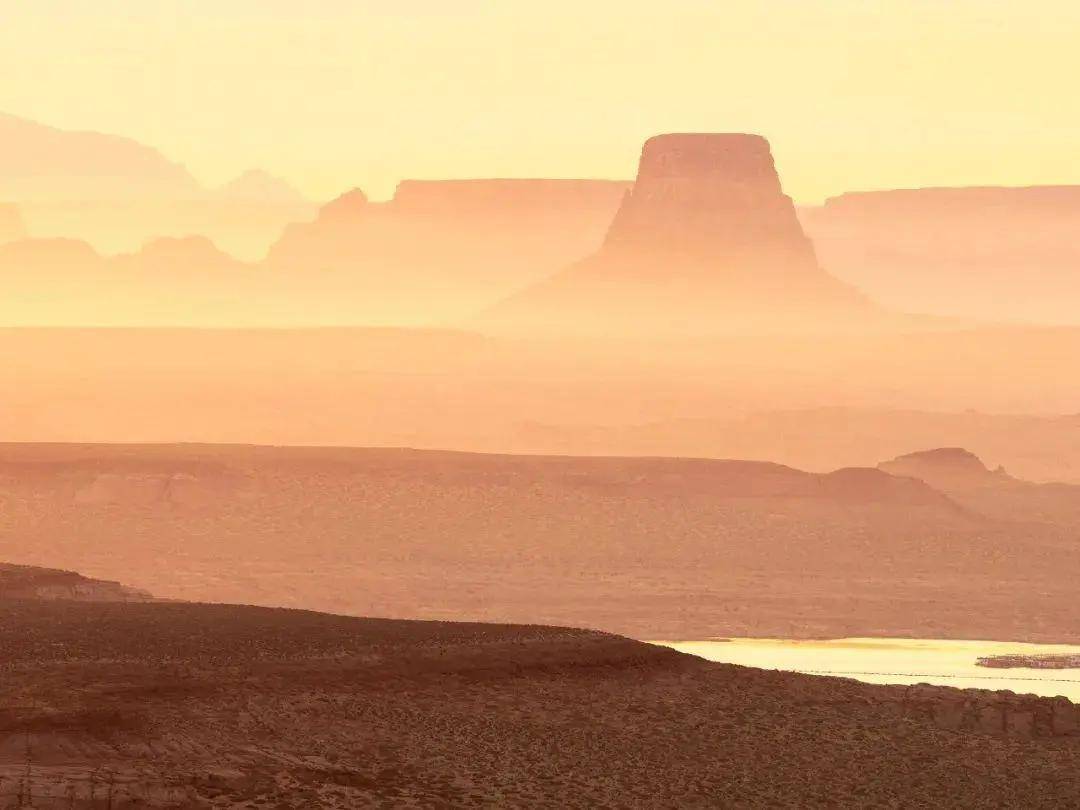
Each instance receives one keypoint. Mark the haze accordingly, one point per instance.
(330, 94)
(458, 404)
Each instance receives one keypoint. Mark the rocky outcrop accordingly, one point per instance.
(704, 242)
(34, 256)
(948, 468)
(1001, 713)
(1052, 661)
(12, 227)
(713, 199)
(30, 582)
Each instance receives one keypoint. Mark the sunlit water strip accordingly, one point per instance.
(897, 661)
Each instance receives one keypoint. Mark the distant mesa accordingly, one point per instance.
(258, 186)
(31, 582)
(996, 253)
(12, 226)
(704, 242)
(947, 468)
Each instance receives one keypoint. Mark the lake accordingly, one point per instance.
(897, 661)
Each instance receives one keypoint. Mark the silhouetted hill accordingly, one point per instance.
(200, 706)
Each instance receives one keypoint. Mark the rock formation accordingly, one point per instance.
(440, 250)
(704, 242)
(948, 468)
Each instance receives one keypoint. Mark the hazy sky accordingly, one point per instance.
(334, 93)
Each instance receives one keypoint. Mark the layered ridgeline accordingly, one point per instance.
(623, 544)
(433, 254)
(439, 250)
(988, 252)
(705, 242)
(117, 193)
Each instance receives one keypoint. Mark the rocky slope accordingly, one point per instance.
(200, 706)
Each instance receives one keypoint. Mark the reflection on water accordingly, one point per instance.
(898, 661)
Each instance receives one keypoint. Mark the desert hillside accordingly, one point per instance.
(623, 544)
(216, 706)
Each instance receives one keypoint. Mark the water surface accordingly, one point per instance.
(897, 661)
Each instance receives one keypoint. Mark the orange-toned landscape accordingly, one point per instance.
(458, 405)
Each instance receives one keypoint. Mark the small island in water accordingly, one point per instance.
(1066, 661)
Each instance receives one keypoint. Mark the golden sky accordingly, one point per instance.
(853, 94)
